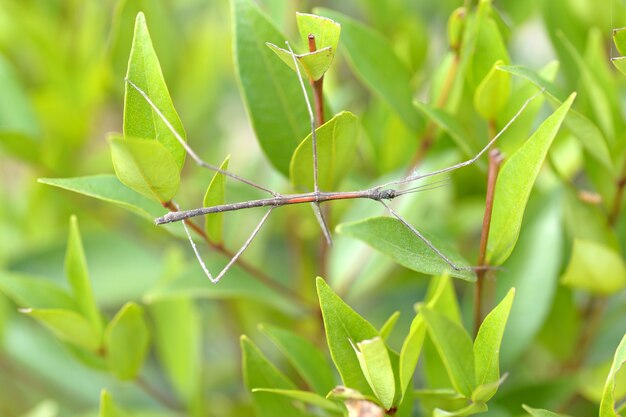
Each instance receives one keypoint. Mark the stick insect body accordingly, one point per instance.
(380, 193)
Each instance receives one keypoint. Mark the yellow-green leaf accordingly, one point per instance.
(214, 196)
(493, 92)
(68, 326)
(127, 341)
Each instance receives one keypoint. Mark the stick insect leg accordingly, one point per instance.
(424, 239)
(190, 151)
(234, 258)
(319, 215)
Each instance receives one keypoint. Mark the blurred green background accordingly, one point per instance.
(62, 66)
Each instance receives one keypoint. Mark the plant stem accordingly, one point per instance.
(253, 271)
(318, 87)
(495, 160)
(158, 395)
(428, 138)
(619, 196)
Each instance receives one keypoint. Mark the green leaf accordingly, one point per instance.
(259, 372)
(392, 238)
(306, 397)
(607, 405)
(271, 91)
(68, 326)
(493, 92)
(19, 127)
(410, 352)
(304, 356)
(312, 65)
(214, 196)
(373, 60)
(108, 408)
(140, 119)
(326, 31)
(389, 325)
(455, 349)
(487, 348)
(336, 144)
(600, 104)
(180, 355)
(580, 126)
(78, 276)
(108, 188)
(344, 327)
(46, 408)
(145, 166)
(376, 366)
(533, 269)
(450, 124)
(595, 268)
(619, 38)
(538, 412)
(126, 341)
(514, 184)
(39, 293)
(469, 410)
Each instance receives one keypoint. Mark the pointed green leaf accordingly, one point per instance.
(376, 366)
(145, 166)
(620, 64)
(78, 276)
(373, 60)
(392, 238)
(440, 297)
(336, 144)
(493, 92)
(389, 325)
(312, 65)
(344, 327)
(487, 348)
(259, 372)
(68, 326)
(304, 356)
(140, 119)
(109, 188)
(538, 412)
(514, 184)
(326, 31)
(607, 405)
(271, 91)
(33, 292)
(214, 196)
(600, 104)
(595, 268)
(410, 352)
(126, 341)
(455, 349)
(580, 126)
(108, 408)
(306, 397)
(179, 356)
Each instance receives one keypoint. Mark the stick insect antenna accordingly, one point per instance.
(470, 161)
(190, 151)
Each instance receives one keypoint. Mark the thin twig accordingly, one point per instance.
(158, 395)
(495, 160)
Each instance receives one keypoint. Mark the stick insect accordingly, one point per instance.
(382, 193)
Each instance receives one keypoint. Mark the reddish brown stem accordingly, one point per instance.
(253, 271)
(619, 196)
(495, 160)
(318, 87)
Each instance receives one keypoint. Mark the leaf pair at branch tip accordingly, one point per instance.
(325, 33)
